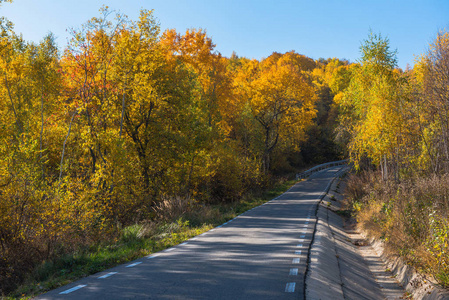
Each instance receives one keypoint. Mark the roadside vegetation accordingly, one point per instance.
(179, 222)
(396, 125)
(411, 217)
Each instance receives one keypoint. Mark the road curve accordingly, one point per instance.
(261, 254)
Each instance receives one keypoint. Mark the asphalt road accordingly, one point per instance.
(261, 254)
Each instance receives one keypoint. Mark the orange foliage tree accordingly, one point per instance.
(280, 98)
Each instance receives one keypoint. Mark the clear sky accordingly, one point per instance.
(256, 28)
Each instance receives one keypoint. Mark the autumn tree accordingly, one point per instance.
(43, 63)
(433, 72)
(281, 101)
(330, 78)
(373, 107)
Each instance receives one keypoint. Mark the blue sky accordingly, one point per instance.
(256, 28)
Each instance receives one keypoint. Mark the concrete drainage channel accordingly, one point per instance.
(323, 279)
(343, 265)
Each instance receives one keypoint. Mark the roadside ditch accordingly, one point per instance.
(344, 264)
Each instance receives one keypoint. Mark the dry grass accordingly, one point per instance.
(170, 208)
(411, 217)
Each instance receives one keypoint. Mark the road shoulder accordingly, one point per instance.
(340, 267)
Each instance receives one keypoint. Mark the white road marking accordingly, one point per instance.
(211, 230)
(296, 260)
(153, 256)
(301, 240)
(290, 287)
(304, 226)
(185, 243)
(134, 264)
(294, 271)
(107, 275)
(299, 245)
(169, 249)
(298, 252)
(72, 289)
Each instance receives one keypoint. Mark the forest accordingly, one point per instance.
(130, 126)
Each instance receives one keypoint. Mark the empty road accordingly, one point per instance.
(261, 254)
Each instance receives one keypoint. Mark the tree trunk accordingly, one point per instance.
(42, 134)
(63, 146)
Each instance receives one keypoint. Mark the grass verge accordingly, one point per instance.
(137, 241)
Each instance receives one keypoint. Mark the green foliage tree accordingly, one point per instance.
(370, 105)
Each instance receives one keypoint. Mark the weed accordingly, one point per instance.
(344, 213)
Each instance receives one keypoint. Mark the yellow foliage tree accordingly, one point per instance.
(280, 98)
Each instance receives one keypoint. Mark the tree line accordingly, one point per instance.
(394, 119)
(395, 124)
(126, 117)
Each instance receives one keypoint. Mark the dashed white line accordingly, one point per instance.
(293, 271)
(299, 245)
(107, 275)
(296, 260)
(301, 240)
(290, 287)
(169, 249)
(72, 289)
(298, 252)
(185, 243)
(153, 256)
(134, 264)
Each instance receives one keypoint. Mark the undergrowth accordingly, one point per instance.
(180, 221)
(411, 217)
